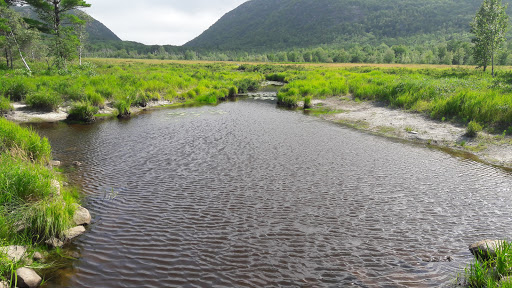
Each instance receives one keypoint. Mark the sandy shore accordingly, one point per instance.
(381, 120)
(23, 114)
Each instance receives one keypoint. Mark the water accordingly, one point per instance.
(247, 195)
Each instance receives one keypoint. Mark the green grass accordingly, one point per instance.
(5, 105)
(12, 136)
(44, 100)
(487, 271)
(31, 209)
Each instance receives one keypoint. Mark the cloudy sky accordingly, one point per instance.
(160, 21)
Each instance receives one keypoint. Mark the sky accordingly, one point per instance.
(162, 22)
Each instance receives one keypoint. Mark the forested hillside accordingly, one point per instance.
(96, 30)
(281, 24)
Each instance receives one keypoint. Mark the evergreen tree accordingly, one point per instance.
(53, 14)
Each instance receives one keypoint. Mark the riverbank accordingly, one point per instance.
(37, 213)
(377, 118)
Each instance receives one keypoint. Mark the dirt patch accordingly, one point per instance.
(22, 113)
(381, 120)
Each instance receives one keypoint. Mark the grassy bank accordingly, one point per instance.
(32, 208)
(455, 94)
(445, 93)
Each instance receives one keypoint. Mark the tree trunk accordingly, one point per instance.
(492, 65)
(6, 57)
(19, 50)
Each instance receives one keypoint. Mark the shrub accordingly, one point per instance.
(307, 102)
(247, 85)
(233, 91)
(276, 77)
(473, 129)
(44, 100)
(123, 108)
(83, 112)
(17, 91)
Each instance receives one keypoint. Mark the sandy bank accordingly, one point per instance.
(23, 114)
(381, 120)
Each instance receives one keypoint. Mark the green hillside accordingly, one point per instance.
(281, 24)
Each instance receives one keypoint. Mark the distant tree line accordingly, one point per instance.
(452, 52)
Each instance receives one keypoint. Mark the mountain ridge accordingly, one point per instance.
(281, 24)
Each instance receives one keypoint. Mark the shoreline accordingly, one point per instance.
(379, 119)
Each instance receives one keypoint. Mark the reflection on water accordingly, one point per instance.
(246, 195)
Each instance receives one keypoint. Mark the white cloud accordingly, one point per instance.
(160, 21)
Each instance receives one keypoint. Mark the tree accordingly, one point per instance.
(15, 35)
(53, 14)
(489, 27)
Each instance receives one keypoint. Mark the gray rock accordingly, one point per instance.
(4, 284)
(14, 253)
(56, 187)
(74, 232)
(54, 242)
(505, 280)
(37, 256)
(82, 216)
(55, 163)
(28, 278)
(77, 164)
(485, 248)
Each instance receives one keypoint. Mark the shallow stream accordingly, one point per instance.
(247, 195)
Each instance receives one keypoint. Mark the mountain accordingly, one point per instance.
(99, 32)
(281, 24)
(96, 30)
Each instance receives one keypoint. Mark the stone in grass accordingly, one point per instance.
(14, 253)
(28, 278)
(485, 248)
(55, 163)
(82, 216)
(37, 256)
(4, 284)
(56, 187)
(54, 242)
(74, 232)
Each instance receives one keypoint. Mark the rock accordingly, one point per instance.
(55, 163)
(505, 280)
(56, 186)
(77, 164)
(37, 256)
(15, 253)
(28, 278)
(82, 216)
(74, 232)
(54, 242)
(485, 248)
(4, 284)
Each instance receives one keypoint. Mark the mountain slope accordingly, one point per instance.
(96, 30)
(278, 24)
